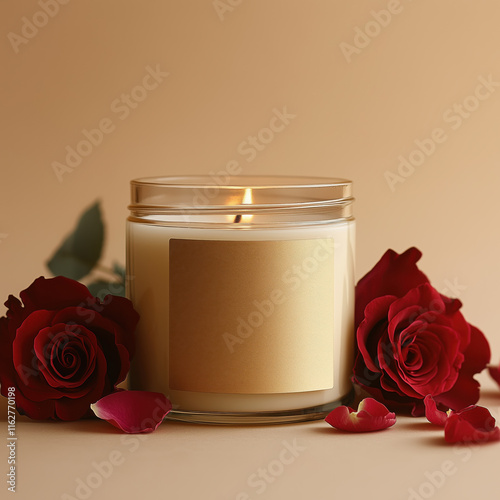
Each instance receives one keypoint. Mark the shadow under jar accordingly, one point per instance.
(246, 296)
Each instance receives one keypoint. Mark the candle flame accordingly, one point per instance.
(247, 200)
(247, 197)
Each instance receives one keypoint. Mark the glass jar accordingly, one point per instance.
(245, 287)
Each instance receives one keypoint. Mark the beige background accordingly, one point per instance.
(353, 119)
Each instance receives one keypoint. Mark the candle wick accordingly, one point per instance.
(237, 218)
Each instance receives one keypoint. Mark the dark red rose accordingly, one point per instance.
(412, 341)
(63, 349)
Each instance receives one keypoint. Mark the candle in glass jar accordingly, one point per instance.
(245, 293)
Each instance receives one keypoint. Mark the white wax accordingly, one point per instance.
(148, 254)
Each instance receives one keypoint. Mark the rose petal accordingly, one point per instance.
(121, 311)
(112, 335)
(478, 353)
(61, 338)
(465, 392)
(433, 415)
(133, 411)
(54, 293)
(494, 372)
(431, 344)
(371, 328)
(393, 274)
(473, 424)
(371, 416)
(28, 374)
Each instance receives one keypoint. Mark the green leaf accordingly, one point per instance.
(81, 250)
(101, 288)
(119, 270)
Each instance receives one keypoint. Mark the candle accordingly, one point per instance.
(246, 296)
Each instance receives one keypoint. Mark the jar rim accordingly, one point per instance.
(266, 192)
(250, 201)
(241, 181)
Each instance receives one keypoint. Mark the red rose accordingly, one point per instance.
(64, 349)
(412, 341)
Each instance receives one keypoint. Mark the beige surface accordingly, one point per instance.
(189, 461)
(226, 80)
(353, 119)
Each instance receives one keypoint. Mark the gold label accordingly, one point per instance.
(251, 317)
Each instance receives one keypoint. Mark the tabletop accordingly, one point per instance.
(89, 459)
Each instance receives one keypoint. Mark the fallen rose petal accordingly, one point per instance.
(133, 411)
(495, 373)
(433, 415)
(473, 424)
(371, 416)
